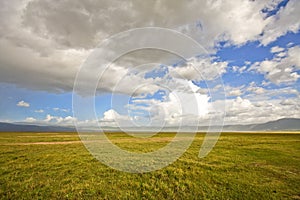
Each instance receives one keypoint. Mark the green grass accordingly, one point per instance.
(241, 166)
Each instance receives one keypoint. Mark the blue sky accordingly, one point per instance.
(254, 46)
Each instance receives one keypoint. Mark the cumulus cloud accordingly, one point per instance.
(173, 109)
(58, 120)
(113, 118)
(239, 69)
(245, 111)
(232, 91)
(276, 49)
(287, 20)
(253, 88)
(61, 109)
(85, 22)
(259, 92)
(23, 104)
(199, 69)
(236, 92)
(238, 111)
(281, 69)
(43, 43)
(30, 120)
(51, 120)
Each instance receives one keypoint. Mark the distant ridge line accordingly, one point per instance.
(284, 124)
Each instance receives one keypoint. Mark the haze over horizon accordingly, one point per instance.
(253, 46)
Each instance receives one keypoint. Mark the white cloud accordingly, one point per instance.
(263, 94)
(39, 111)
(281, 54)
(232, 91)
(276, 49)
(265, 83)
(239, 69)
(113, 118)
(110, 115)
(83, 23)
(245, 111)
(49, 118)
(287, 20)
(43, 43)
(236, 92)
(281, 69)
(253, 88)
(290, 102)
(61, 109)
(118, 79)
(58, 120)
(23, 104)
(199, 69)
(30, 119)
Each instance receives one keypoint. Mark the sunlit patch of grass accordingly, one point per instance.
(140, 144)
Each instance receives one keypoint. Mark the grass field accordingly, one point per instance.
(241, 166)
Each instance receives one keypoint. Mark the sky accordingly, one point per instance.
(248, 70)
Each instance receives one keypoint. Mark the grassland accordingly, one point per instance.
(241, 166)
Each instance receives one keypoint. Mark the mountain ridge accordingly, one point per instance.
(284, 124)
(12, 127)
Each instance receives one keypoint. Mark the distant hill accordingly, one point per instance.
(9, 127)
(281, 124)
(285, 124)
